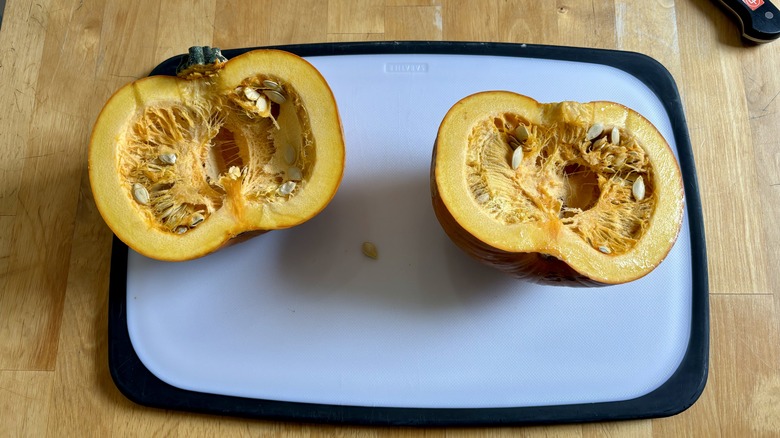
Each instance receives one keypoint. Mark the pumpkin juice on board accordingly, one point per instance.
(563, 193)
(181, 166)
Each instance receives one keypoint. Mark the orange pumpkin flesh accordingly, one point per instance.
(572, 211)
(182, 166)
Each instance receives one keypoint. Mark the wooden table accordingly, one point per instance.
(62, 59)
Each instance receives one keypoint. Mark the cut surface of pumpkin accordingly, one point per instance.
(567, 192)
(182, 165)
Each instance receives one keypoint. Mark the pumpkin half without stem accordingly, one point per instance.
(557, 193)
(181, 166)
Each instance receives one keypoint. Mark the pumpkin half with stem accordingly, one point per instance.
(572, 193)
(182, 165)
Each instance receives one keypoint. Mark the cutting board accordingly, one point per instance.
(299, 324)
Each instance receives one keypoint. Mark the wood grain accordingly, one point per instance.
(25, 401)
(413, 23)
(46, 199)
(24, 31)
(232, 23)
(464, 20)
(303, 21)
(648, 30)
(62, 59)
(349, 16)
(725, 157)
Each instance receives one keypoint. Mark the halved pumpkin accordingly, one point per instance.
(181, 166)
(575, 193)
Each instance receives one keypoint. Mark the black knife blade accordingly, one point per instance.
(759, 19)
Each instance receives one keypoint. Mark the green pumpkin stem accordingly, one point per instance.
(202, 61)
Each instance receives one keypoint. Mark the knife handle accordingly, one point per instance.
(759, 19)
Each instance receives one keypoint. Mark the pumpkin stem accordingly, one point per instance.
(201, 61)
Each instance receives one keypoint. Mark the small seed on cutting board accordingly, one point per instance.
(369, 250)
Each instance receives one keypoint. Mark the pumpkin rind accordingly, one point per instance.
(223, 154)
(544, 246)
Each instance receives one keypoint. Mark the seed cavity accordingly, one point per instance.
(140, 194)
(369, 250)
(638, 189)
(557, 172)
(287, 188)
(595, 130)
(181, 163)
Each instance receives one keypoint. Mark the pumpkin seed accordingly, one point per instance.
(287, 188)
(605, 250)
(638, 189)
(251, 94)
(261, 104)
(483, 198)
(275, 96)
(272, 85)
(196, 219)
(598, 144)
(521, 133)
(169, 159)
(234, 172)
(369, 250)
(615, 136)
(517, 158)
(181, 229)
(594, 131)
(168, 211)
(140, 194)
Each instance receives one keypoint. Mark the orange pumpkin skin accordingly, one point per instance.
(572, 212)
(533, 266)
(183, 166)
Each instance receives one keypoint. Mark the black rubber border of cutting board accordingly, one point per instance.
(677, 394)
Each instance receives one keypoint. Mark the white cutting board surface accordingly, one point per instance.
(301, 315)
